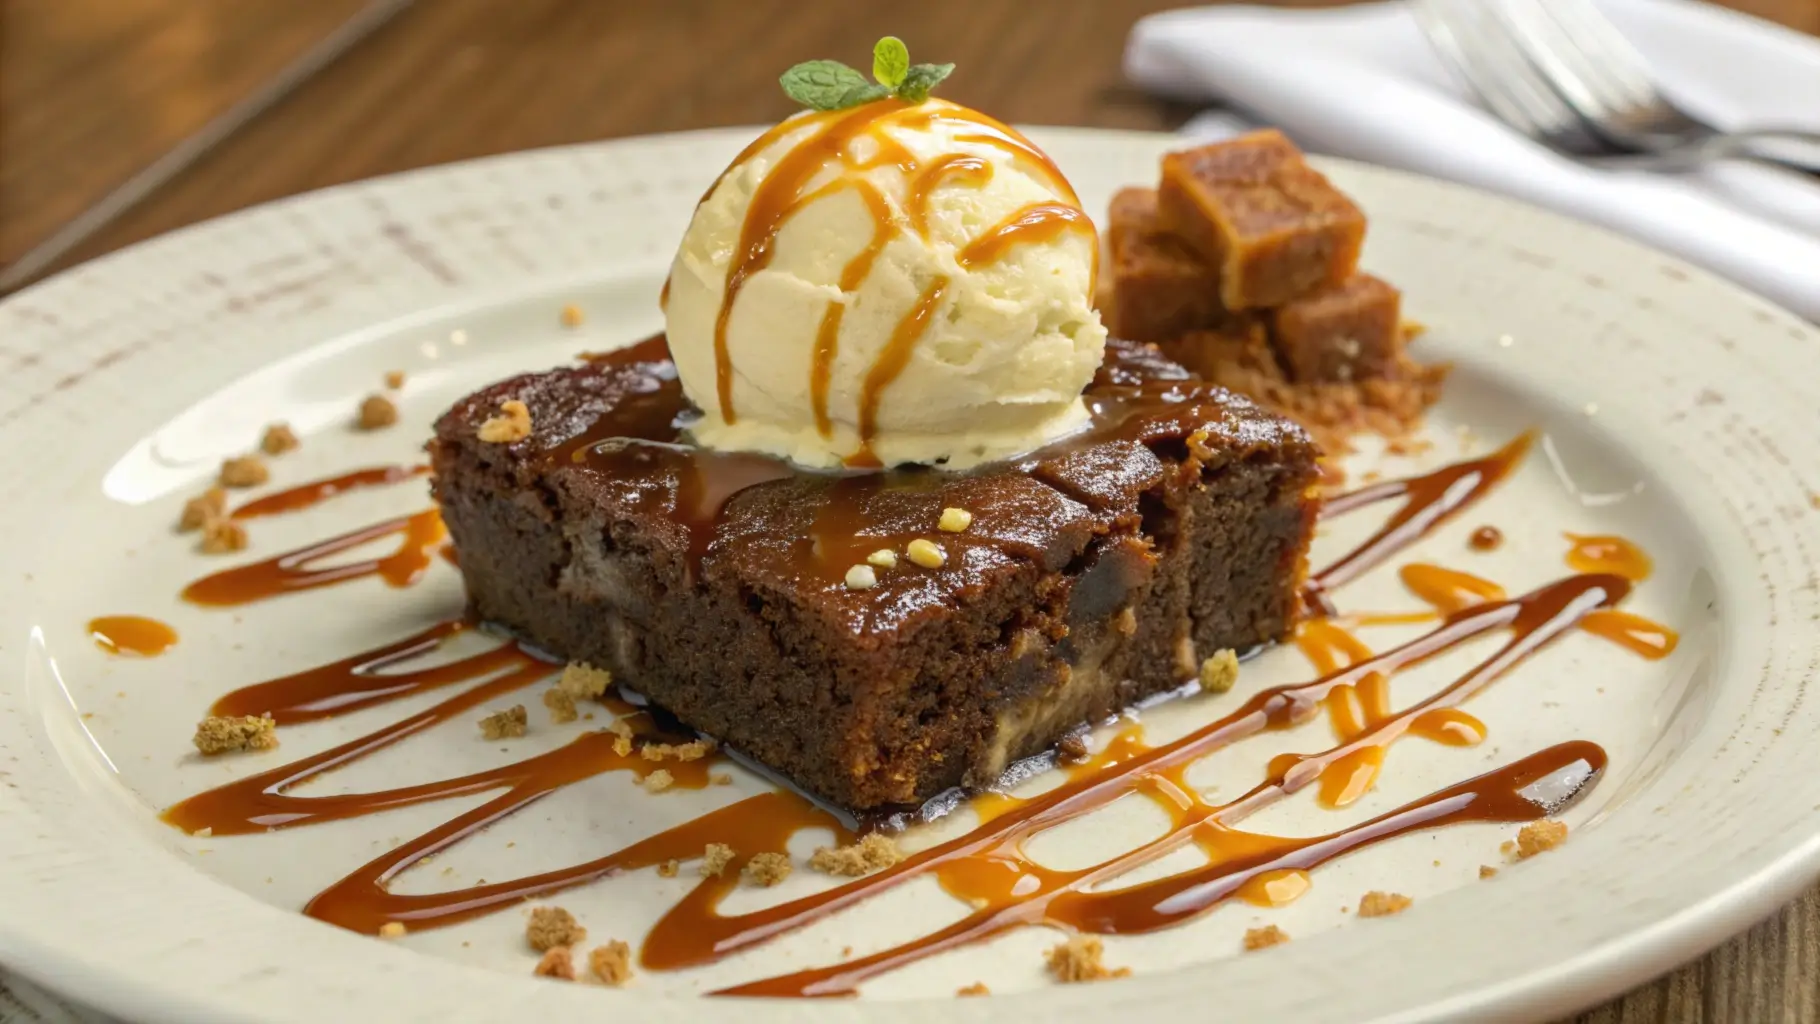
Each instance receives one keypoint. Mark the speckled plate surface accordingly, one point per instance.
(1674, 410)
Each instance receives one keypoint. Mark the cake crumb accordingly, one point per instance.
(512, 424)
(376, 412)
(1540, 837)
(1080, 959)
(1073, 748)
(1383, 904)
(203, 509)
(622, 737)
(392, 930)
(1508, 847)
(561, 705)
(925, 553)
(715, 858)
(219, 734)
(222, 536)
(884, 558)
(278, 439)
(720, 779)
(1265, 937)
(1487, 871)
(694, 750)
(978, 988)
(767, 869)
(557, 963)
(394, 379)
(874, 852)
(1220, 672)
(582, 680)
(244, 471)
(507, 724)
(955, 520)
(1126, 621)
(571, 316)
(657, 781)
(861, 577)
(612, 962)
(668, 869)
(550, 927)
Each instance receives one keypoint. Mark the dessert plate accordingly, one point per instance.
(1667, 408)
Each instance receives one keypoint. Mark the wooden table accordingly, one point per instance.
(92, 90)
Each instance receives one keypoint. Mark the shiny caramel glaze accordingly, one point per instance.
(1485, 538)
(316, 492)
(420, 536)
(1606, 553)
(131, 634)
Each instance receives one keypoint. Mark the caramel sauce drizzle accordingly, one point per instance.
(316, 492)
(827, 335)
(1038, 222)
(1605, 553)
(421, 535)
(1485, 538)
(891, 362)
(131, 634)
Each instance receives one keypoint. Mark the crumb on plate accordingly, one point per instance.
(1220, 672)
(767, 869)
(507, 724)
(1081, 958)
(222, 536)
(557, 963)
(278, 439)
(561, 704)
(874, 852)
(219, 734)
(978, 988)
(694, 750)
(394, 379)
(611, 962)
(1540, 837)
(715, 858)
(1383, 904)
(657, 780)
(1265, 937)
(244, 471)
(392, 930)
(582, 680)
(550, 927)
(203, 509)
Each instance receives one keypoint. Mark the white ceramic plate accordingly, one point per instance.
(1676, 411)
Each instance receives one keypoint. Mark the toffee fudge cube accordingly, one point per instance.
(1160, 287)
(1272, 226)
(1347, 333)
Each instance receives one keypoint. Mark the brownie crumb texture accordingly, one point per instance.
(561, 705)
(978, 988)
(203, 509)
(392, 930)
(874, 852)
(278, 439)
(1220, 672)
(376, 413)
(1081, 958)
(558, 962)
(1540, 837)
(220, 734)
(244, 471)
(507, 724)
(222, 536)
(512, 424)
(583, 681)
(550, 927)
(767, 869)
(611, 962)
(715, 858)
(1383, 904)
(657, 781)
(1265, 937)
(694, 750)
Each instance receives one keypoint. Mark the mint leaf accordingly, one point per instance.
(859, 94)
(890, 61)
(919, 79)
(822, 84)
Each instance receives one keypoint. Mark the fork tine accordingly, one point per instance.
(1618, 62)
(1589, 63)
(1480, 51)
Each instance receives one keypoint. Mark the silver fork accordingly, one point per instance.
(1560, 72)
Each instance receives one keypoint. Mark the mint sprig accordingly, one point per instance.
(831, 85)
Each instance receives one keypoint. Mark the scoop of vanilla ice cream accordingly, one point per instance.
(993, 363)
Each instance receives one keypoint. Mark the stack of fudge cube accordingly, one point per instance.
(1242, 265)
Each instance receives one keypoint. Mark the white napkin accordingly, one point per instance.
(1361, 82)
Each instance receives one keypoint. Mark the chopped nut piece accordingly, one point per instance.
(512, 424)
(694, 750)
(668, 869)
(203, 509)
(1220, 672)
(1383, 904)
(658, 781)
(394, 379)
(884, 558)
(1540, 837)
(220, 536)
(1265, 937)
(507, 724)
(874, 852)
(1487, 871)
(978, 988)
(715, 858)
(571, 316)
(767, 869)
(955, 520)
(1072, 747)
(551, 927)
(925, 553)
(612, 963)
(861, 577)
(580, 679)
(223, 735)
(1080, 959)
(376, 411)
(245, 471)
(556, 963)
(392, 930)
(278, 439)
(561, 705)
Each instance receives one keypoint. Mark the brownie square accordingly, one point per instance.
(1095, 573)
(1160, 287)
(1273, 227)
(1350, 332)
